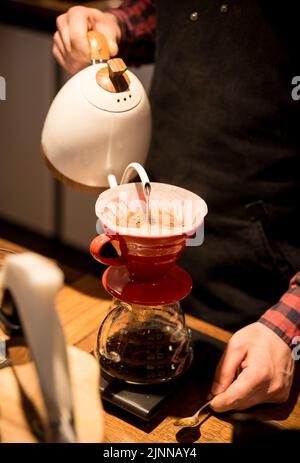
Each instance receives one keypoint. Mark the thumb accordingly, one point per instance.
(113, 47)
(110, 35)
(241, 394)
(227, 368)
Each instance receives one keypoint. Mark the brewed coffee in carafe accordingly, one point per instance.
(147, 345)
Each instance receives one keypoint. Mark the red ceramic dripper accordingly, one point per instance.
(145, 272)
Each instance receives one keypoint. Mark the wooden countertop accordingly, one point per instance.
(41, 14)
(82, 304)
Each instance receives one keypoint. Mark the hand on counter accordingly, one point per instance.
(70, 45)
(266, 365)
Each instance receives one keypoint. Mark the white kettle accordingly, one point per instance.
(98, 123)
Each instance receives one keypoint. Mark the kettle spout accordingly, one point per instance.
(139, 169)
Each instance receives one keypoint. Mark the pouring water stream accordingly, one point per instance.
(139, 169)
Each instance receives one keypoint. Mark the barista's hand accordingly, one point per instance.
(266, 365)
(70, 45)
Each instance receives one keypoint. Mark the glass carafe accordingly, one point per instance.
(144, 344)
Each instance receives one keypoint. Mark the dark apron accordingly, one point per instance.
(226, 127)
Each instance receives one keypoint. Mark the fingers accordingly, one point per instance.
(58, 43)
(78, 27)
(63, 32)
(245, 392)
(58, 55)
(71, 47)
(267, 370)
(227, 368)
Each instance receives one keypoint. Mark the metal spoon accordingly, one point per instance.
(192, 421)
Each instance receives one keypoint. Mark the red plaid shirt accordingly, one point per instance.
(138, 24)
(137, 21)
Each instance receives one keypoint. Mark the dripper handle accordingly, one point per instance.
(96, 247)
(99, 50)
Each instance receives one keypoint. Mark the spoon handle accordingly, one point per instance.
(203, 407)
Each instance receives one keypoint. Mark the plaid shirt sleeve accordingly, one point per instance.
(137, 20)
(284, 317)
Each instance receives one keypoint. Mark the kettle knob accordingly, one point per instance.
(113, 78)
(116, 67)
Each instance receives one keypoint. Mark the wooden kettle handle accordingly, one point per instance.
(99, 50)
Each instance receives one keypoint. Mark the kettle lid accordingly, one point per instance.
(100, 91)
